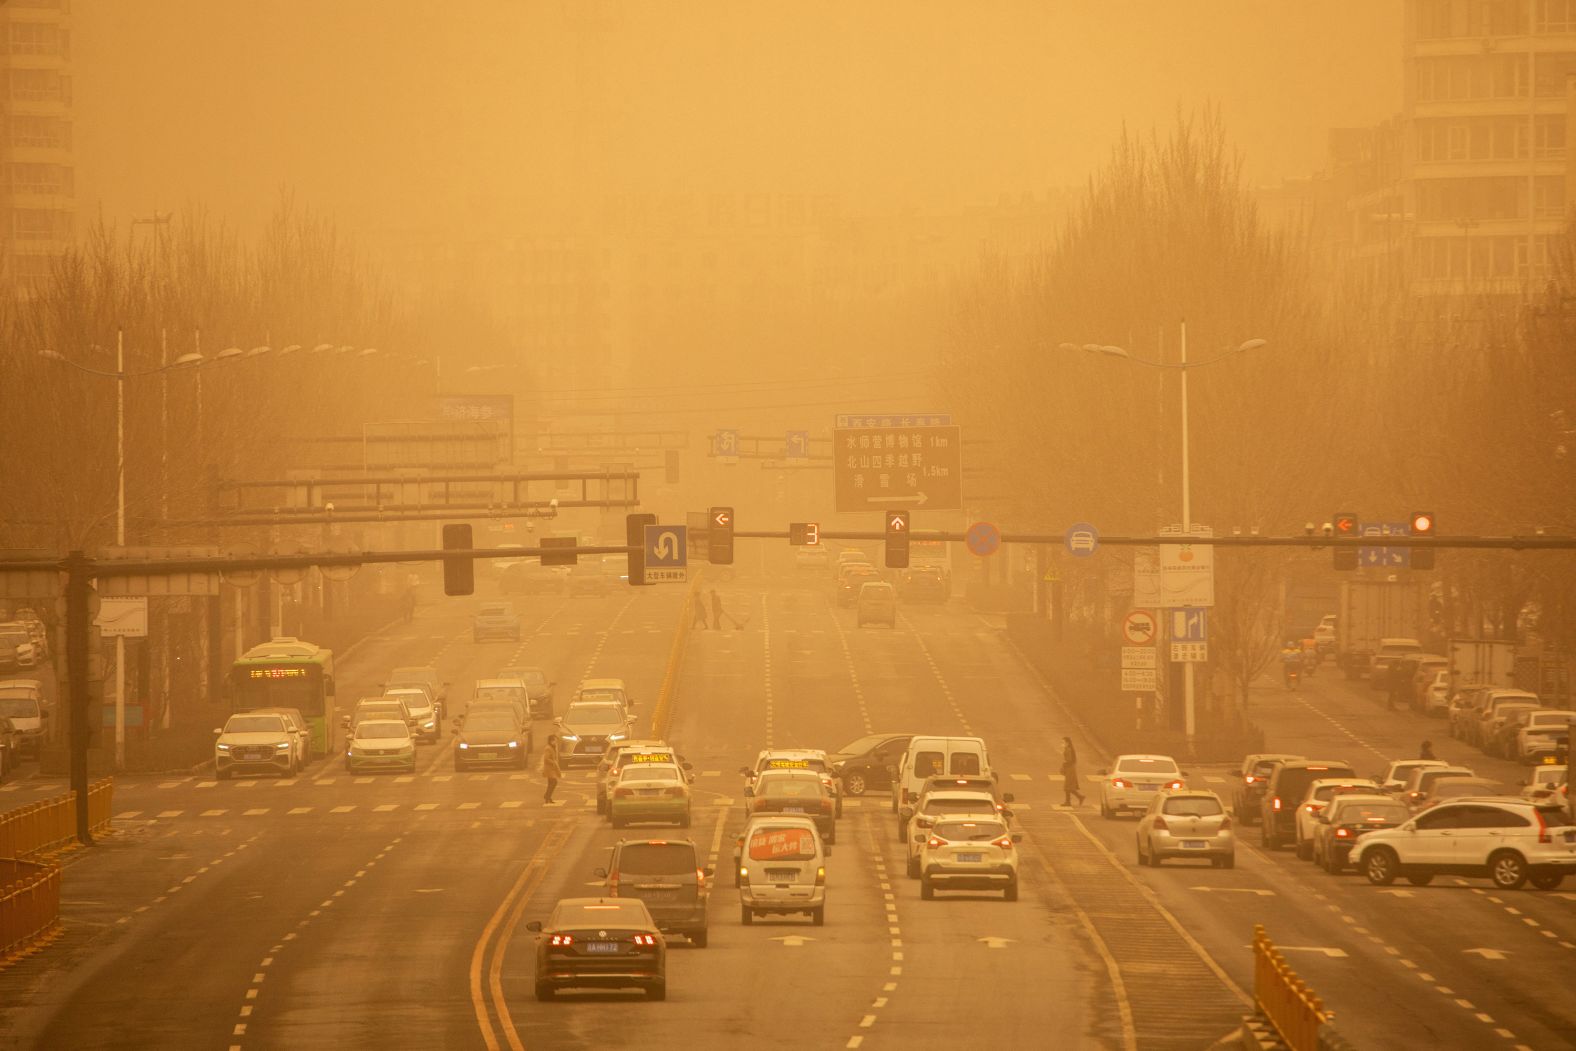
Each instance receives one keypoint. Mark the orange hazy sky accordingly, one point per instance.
(478, 115)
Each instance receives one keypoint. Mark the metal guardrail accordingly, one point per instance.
(662, 714)
(29, 908)
(1291, 1007)
(51, 823)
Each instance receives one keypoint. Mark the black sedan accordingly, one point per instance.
(868, 762)
(490, 737)
(601, 943)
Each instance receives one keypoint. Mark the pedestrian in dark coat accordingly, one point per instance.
(1070, 785)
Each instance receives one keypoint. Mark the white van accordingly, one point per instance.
(781, 868)
(934, 757)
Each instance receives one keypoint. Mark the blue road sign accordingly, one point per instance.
(667, 553)
(1189, 625)
(1082, 539)
(1384, 556)
(727, 443)
(905, 419)
(797, 446)
(983, 538)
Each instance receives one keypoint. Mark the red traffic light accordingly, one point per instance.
(1345, 523)
(1422, 523)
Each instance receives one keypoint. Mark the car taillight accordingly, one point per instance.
(644, 939)
(744, 876)
(1543, 828)
(1343, 833)
(935, 841)
(1250, 780)
(820, 876)
(563, 939)
(1121, 782)
(623, 793)
(826, 805)
(1313, 808)
(675, 790)
(906, 797)
(700, 878)
(1160, 823)
(1004, 842)
(1275, 804)
(1175, 784)
(612, 883)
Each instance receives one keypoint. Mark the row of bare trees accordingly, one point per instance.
(193, 287)
(1361, 398)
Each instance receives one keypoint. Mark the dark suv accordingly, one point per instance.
(1288, 784)
(1248, 793)
(667, 876)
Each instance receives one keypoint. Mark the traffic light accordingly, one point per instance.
(635, 537)
(804, 534)
(897, 539)
(1345, 525)
(459, 574)
(719, 537)
(1422, 523)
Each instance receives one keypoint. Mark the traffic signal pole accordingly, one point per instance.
(78, 626)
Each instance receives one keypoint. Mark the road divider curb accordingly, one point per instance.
(662, 714)
(50, 824)
(29, 908)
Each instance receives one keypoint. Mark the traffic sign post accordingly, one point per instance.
(1140, 680)
(1082, 540)
(1140, 627)
(727, 443)
(797, 446)
(667, 554)
(882, 468)
(719, 545)
(983, 538)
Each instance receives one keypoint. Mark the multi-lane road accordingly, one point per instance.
(342, 911)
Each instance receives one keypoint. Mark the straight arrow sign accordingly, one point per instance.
(1487, 954)
(793, 940)
(995, 943)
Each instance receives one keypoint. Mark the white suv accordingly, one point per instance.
(1508, 840)
(969, 852)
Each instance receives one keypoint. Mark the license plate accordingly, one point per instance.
(648, 791)
(1147, 788)
(1194, 844)
(971, 857)
(1570, 836)
(793, 809)
(659, 895)
(602, 947)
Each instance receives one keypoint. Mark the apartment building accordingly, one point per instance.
(37, 177)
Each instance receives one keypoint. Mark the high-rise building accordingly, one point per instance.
(37, 178)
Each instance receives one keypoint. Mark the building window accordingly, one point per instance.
(1461, 77)
(34, 38)
(40, 224)
(39, 178)
(1556, 16)
(37, 85)
(40, 133)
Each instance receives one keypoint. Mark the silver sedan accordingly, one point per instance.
(1189, 823)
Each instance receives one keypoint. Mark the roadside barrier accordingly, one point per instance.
(662, 714)
(29, 908)
(51, 824)
(1291, 1007)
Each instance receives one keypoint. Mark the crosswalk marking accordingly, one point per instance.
(1020, 777)
(342, 810)
(509, 804)
(467, 806)
(402, 779)
(171, 813)
(246, 784)
(363, 780)
(384, 808)
(207, 784)
(426, 806)
(1215, 780)
(214, 813)
(301, 810)
(443, 777)
(257, 812)
(127, 815)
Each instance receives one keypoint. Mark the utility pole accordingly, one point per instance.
(78, 591)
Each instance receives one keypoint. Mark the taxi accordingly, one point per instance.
(621, 753)
(650, 792)
(797, 759)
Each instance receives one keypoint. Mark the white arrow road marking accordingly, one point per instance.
(1236, 890)
(793, 940)
(1488, 954)
(1398, 893)
(429, 890)
(995, 943)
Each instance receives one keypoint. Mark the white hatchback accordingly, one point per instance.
(1319, 794)
(1133, 780)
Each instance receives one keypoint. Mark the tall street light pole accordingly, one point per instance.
(1190, 722)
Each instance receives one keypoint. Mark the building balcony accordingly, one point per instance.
(1513, 106)
(30, 153)
(1437, 228)
(1552, 163)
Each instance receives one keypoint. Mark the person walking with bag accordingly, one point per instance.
(550, 767)
(1070, 774)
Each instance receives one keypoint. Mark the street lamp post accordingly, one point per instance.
(1190, 724)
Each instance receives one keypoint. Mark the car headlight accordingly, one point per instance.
(283, 746)
(222, 747)
(616, 737)
(569, 737)
(428, 725)
(349, 752)
(514, 744)
(463, 746)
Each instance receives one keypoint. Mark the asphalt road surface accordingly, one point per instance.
(374, 912)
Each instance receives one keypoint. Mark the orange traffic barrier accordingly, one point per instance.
(29, 908)
(51, 824)
(1283, 998)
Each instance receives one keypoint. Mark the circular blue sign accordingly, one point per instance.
(983, 538)
(1082, 539)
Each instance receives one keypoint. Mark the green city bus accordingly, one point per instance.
(288, 673)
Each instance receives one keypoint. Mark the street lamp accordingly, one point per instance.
(1182, 368)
